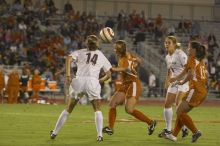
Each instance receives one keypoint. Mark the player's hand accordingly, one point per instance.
(112, 69)
(180, 83)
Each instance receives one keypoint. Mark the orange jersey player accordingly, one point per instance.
(196, 72)
(129, 90)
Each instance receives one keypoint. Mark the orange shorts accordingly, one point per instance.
(195, 98)
(131, 89)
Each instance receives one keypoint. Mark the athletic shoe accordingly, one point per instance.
(52, 136)
(99, 138)
(196, 135)
(107, 130)
(171, 137)
(164, 132)
(151, 128)
(185, 132)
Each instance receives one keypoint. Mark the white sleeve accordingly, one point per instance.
(183, 58)
(106, 64)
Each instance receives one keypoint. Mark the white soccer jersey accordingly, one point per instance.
(176, 62)
(89, 63)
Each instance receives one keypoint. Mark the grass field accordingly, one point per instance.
(29, 125)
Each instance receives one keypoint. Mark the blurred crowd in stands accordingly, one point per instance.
(37, 36)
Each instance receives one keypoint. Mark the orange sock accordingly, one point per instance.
(140, 116)
(178, 126)
(186, 120)
(111, 117)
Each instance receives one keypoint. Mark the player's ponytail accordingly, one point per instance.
(201, 52)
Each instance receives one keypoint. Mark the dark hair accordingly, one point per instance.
(200, 49)
(122, 47)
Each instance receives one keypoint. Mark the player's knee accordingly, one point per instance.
(112, 104)
(129, 111)
(168, 104)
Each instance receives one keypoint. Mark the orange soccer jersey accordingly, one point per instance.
(36, 82)
(198, 83)
(130, 83)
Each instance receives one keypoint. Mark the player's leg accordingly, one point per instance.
(193, 99)
(179, 98)
(117, 99)
(182, 107)
(168, 112)
(132, 95)
(63, 117)
(96, 104)
(130, 109)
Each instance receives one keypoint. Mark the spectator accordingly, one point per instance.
(24, 84)
(159, 21)
(13, 86)
(48, 74)
(110, 23)
(152, 84)
(212, 42)
(171, 30)
(36, 86)
(196, 29)
(121, 28)
(68, 7)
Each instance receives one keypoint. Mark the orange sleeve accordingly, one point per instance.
(123, 63)
(190, 63)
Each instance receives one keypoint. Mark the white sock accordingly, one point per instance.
(61, 120)
(168, 115)
(99, 122)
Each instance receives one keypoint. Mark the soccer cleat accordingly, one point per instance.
(151, 128)
(185, 132)
(52, 136)
(170, 137)
(164, 132)
(99, 138)
(196, 135)
(107, 130)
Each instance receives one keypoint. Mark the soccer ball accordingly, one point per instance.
(106, 35)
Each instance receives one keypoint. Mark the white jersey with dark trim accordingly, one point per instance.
(176, 62)
(89, 63)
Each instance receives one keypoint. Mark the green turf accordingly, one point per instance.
(29, 125)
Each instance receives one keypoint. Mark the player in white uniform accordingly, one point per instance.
(89, 62)
(176, 60)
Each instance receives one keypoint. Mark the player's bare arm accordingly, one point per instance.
(180, 76)
(167, 80)
(118, 69)
(106, 77)
(188, 77)
(67, 68)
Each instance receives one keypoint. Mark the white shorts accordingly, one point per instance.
(178, 88)
(85, 85)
